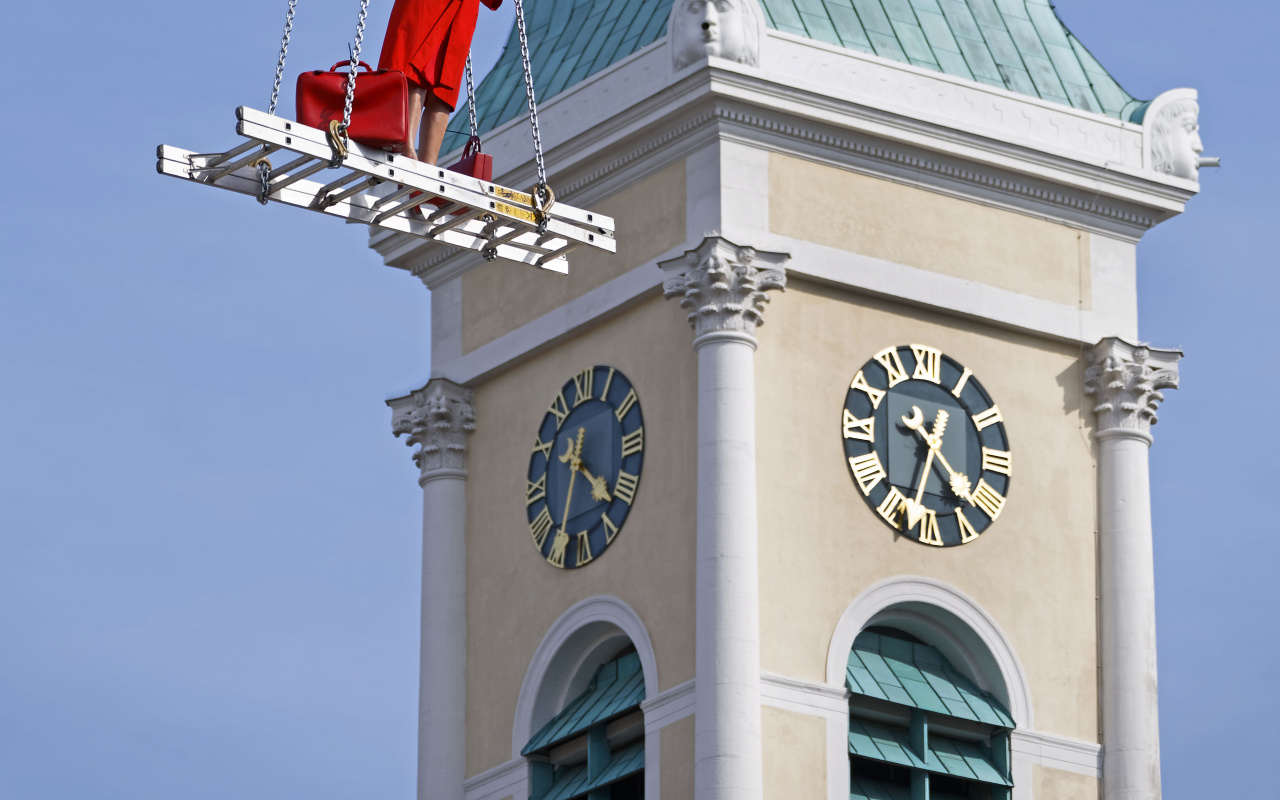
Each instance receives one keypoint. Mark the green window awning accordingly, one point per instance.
(966, 760)
(575, 783)
(918, 676)
(615, 689)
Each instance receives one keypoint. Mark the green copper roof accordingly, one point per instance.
(917, 675)
(576, 782)
(1019, 45)
(569, 40)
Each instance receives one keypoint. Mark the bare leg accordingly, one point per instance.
(432, 132)
(417, 95)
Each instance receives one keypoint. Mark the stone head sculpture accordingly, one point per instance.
(1172, 134)
(727, 29)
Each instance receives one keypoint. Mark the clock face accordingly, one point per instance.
(926, 445)
(585, 467)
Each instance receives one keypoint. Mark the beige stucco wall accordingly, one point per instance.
(928, 230)
(649, 217)
(821, 545)
(676, 744)
(795, 755)
(513, 595)
(1056, 784)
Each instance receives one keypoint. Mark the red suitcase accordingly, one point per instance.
(379, 114)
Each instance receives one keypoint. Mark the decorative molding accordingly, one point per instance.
(728, 29)
(796, 694)
(1126, 381)
(1058, 752)
(722, 286)
(670, 706)
(438, 417)
(505, 780)
(975, 632)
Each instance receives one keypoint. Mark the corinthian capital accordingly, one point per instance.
(437, 418)
(723, 285)
(1126, 382)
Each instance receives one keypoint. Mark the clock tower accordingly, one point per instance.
(895, 543)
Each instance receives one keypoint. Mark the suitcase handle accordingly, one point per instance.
(471, 148)
(334, 68)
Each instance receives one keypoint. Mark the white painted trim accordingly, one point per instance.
(505, 780)
(805, 697)
(1058, 752)
(923, 595)
(670, 706)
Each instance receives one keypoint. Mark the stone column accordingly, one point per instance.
(1125, 381)
(723, 286)
(439, 417)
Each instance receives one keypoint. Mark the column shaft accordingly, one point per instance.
(727, 721)
(442, 686)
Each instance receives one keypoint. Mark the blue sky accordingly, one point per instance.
(209, 540)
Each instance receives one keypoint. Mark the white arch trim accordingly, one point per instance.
(909, 598)
(571, 641)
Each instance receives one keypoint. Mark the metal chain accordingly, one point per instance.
(471, 99)
(533, 103)
(355, 64)
(264, 180)
(284, 51)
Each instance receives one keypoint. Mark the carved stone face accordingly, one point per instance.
(1185, 146)
(1176, 145)
(721, 28)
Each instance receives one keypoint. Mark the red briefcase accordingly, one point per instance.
(379, 114)
(474, 163)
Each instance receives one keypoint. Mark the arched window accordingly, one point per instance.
(919, 729)
(594, 748)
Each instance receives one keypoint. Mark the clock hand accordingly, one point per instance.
(599, 489)
(959, 481)
(573, 457)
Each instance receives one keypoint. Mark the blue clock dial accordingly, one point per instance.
(585, 467)
(926, 446)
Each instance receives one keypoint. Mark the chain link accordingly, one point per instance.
(471, 99)
(533, 103)
(264, 180)
(284, 51)
(355, 65)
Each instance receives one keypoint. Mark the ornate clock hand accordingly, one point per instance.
(599, 488)
(573, 457)
(959, 482)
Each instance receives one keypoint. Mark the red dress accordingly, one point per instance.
(428, 40)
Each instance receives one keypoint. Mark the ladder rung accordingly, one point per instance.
(238, 163)
(367, 183)
(277, 185)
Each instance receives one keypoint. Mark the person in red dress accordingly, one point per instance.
(428, 40)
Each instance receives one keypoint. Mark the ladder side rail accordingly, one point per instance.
(525, 249)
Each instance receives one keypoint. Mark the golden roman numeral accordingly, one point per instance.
(864, 429)
(867, 471)
(556, 556)
(536, 490)
(989, 417)
(560, 408)
(540, 526)
(987, 499)
(929, 528)
(967, 533)
(892, 364)
(891, 507)
(604, 395)
(928, 363)
(997, 461)
(610, 530)
(582, 386)
(626, 487)
(633, 442)
(627, 403)
(540, 446)
(584, 550)
(964, 378)
(860, 383)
